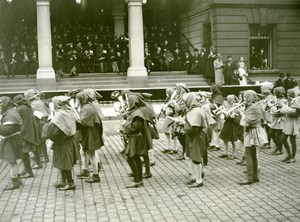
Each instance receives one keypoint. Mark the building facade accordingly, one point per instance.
(254, 29)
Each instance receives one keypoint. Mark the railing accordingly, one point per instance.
(187, 39)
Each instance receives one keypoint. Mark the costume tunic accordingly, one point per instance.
(89, 125)
(136, 129)
(61, 131)
(255, 134)
(194, 127)
(29, 128)
(10, 126)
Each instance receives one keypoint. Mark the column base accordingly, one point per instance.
(137, 77)
(45, 79)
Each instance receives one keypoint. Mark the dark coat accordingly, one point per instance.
(29, 128)
(65, 153)
(91, 131)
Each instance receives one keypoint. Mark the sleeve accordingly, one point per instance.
(135, 126)
(6, 130)
(251, 116)
(52, 132)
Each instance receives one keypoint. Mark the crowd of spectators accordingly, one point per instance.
(18, 51)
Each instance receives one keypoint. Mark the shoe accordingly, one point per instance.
(256, 180)
(202, 175)
(122, 152)
(214, 148)
(147, 175)
(266, 146)
(231, 157)
(59, 184)
(27, 175)
(152, 164)
(241, 162)
(130, 175)
(70, 186)
(246, 182)
(93, 179)
(286, 159)
(135, 185)
(223, 156)
(15, 184)
(166, 151)
(277, 152)
(84, 174)
(180, 157)
(195, 185)
(292, 160)
(190, 182)
(173, 152)
(37, 166)
(22, 173)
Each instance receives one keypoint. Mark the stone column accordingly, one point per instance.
(137, 73)
(119, 23)
(45, 73)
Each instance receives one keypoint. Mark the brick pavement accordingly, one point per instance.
(165, 197)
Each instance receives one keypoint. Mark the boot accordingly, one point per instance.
(94, 179)
(15, 184)
(28, 171)
(69, 186)
(84, 174)
(62, 182)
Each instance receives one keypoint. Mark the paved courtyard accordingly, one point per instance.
(165, 197)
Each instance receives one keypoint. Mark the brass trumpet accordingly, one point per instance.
(230, 111)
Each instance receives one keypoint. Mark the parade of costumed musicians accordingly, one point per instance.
(154, 110)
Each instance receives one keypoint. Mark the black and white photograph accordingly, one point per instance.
(149, 110)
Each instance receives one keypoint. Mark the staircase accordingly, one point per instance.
(18, 84)
(101, 81)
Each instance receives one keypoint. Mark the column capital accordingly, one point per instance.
(136, 2)
(118, 14)
(42, 2)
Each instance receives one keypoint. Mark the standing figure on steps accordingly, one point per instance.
(10, 145)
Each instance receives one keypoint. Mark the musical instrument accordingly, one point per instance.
(166, 103)
(120, 106)
(230, 111)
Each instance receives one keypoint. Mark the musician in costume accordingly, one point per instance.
(232, 131)
(61, 131)
(168, 124)
(39, 106)
(139, 138)
(10, 143)
(29, 133)
(277, 119)
(195, 126)
(291, 125)
(268, 96)
(216, 101)
(150, 118)
(181, 89)
(254, 135)
(91, 132)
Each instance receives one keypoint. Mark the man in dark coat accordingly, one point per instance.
(29, 133)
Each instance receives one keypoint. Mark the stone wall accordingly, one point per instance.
(230, 21)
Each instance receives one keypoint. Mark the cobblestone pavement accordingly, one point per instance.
(165, 197)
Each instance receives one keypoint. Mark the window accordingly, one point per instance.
(261, 46)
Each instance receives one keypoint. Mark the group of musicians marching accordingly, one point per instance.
(198, 120)
(201, 120)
